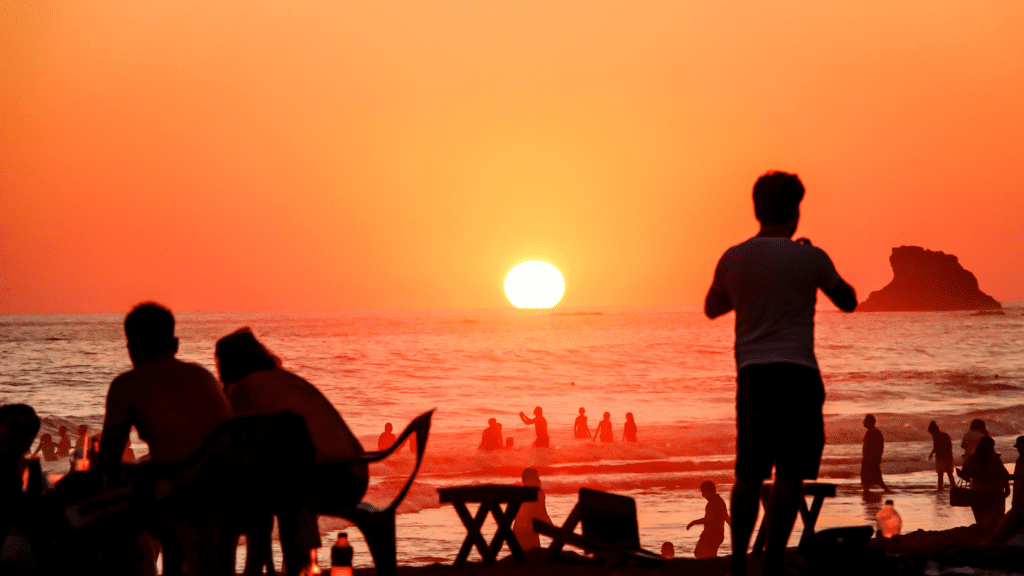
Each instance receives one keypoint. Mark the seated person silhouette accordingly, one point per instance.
(716, 516)
(173, 405)
(492, 438)
(82, 442)
(629, 428)
(580, 429)
(604, 429)
(48, 447)
(64, 444)
(541, 426)
(256, 383)
(18, 428)
(871, 461)
(522, 526)
(387, 438)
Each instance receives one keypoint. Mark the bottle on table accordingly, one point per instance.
(341, 556)
(889, 521)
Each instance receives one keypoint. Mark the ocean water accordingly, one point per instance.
(671, 367)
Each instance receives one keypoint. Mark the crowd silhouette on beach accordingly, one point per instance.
(186, 415)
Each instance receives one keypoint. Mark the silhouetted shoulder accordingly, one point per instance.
(120, 385)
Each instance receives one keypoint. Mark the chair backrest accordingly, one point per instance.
(609, 518)
(247, 463)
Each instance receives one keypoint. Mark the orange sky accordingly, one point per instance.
(224, 156)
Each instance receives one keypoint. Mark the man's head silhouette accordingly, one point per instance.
(708, 489)
(149, 328)
(777, 197)
(388, 427)
(869, 421)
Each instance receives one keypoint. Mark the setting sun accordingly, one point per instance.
(534, 284)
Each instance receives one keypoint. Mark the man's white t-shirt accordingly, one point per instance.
(773, 285)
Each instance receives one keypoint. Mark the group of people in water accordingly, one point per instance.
(86, 446)
(493, 438)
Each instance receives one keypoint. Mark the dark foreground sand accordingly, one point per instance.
(926, 553)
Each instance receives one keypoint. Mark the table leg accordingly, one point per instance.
(473, 535)
(505, 533)
(810, 518)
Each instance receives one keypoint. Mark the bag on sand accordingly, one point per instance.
(960, 494)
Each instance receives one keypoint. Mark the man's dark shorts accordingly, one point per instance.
(778, 421)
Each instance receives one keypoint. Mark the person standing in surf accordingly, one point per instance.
(629, 429)
(772, 282)
(604, 429)
(541, 426)
(942, 449)
(871, 456)
(716, 516)
(580, 428)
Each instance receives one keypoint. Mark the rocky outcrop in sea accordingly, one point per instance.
(928, 280)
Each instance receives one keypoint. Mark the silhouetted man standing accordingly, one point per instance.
(772, 282)
(540, 425)
(871, 456)
(716, 516)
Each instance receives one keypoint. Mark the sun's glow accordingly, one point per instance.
(534, 284)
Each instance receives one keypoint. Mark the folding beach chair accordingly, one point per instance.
(610, 530)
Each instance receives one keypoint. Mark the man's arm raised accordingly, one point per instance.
(843, 296)
(716, 303)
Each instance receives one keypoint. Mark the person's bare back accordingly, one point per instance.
(277, 389)
(174, 405)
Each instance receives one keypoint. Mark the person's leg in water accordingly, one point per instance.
(745, 503)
